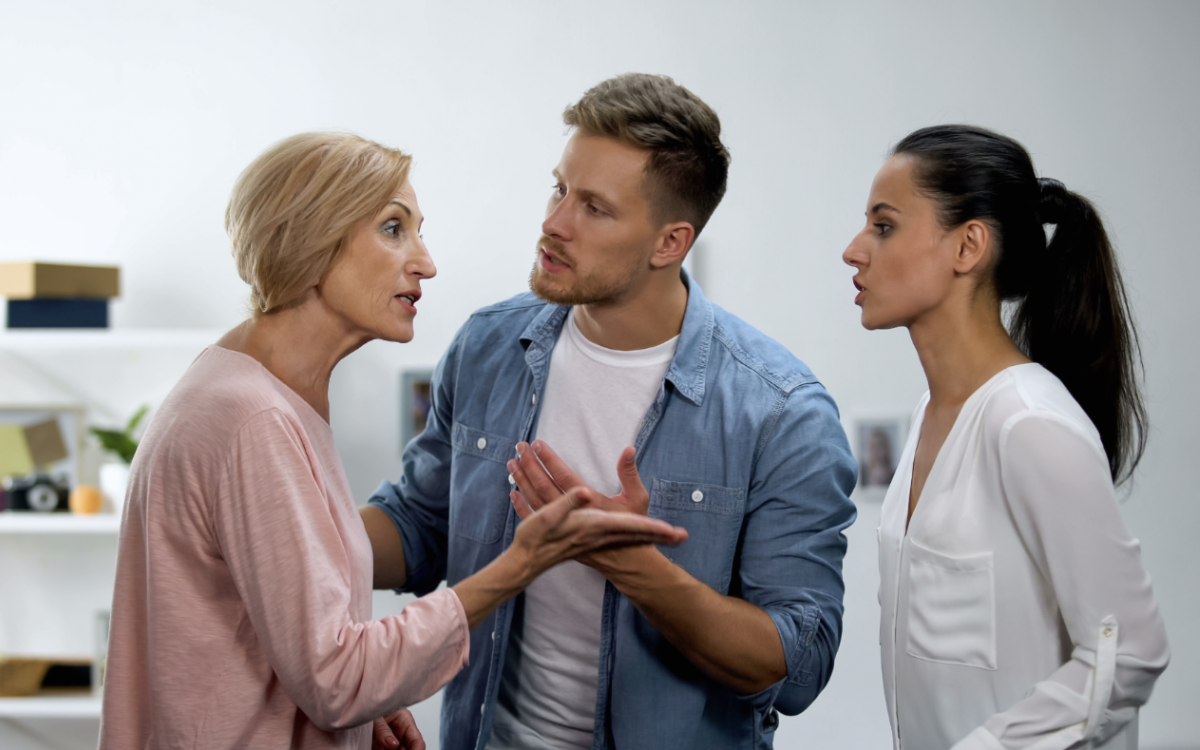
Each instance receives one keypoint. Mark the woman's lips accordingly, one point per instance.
(861, 291)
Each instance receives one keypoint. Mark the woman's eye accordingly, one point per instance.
(883, 228)
(393, 228)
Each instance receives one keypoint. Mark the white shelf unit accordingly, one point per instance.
(16, 522)
(67, 560)
(34, 339)
(51, 707)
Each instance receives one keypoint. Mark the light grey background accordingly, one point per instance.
(124, 124)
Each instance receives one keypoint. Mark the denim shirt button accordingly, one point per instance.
(535, 399)
(482, 443)
(482, 709)
(697, 496)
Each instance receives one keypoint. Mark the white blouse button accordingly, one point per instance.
(697, 496)
(511, 480)
(482, 443)
(535, 399)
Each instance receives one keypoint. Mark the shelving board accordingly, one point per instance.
(51, 707)
(110, 338)
(58, 523)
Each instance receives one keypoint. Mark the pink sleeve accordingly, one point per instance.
(292, 571)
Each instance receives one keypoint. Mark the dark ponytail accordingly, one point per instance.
(1070, 313)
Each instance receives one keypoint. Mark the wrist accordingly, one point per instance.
(635, 569)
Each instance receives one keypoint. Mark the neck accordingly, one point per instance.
(961, 347)
(649, 316)
(300, 346)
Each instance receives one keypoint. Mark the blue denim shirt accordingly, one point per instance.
(739, 419)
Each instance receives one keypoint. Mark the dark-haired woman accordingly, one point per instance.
(1016, 610)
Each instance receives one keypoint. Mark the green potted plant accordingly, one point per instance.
(114, 476)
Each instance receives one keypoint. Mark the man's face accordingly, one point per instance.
(598, 238)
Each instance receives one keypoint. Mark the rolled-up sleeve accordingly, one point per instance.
(793, 542)
(419, 503)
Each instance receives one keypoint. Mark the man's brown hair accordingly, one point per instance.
(688, 164)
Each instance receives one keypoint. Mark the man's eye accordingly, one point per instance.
(593, 209)
(559, 190)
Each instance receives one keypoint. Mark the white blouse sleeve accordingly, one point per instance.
(1058, 487)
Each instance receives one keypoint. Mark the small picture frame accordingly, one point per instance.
(70, 421)
(415, 403)
(878, 443)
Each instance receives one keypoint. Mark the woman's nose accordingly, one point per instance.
(854, 254)
(421, 264)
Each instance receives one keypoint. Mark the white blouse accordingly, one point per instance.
(1016, 612)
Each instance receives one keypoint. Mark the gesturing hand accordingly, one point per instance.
(542, 476)
(397, 731)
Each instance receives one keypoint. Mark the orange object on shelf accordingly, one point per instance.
(85, 500)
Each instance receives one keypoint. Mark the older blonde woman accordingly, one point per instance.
(242, 608)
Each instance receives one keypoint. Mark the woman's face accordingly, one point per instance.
(905, 260)
(375, 283)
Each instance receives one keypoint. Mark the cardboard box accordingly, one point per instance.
(29, 280)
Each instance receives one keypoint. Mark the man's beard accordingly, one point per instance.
(596, 289)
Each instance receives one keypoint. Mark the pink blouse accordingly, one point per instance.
(242, 610)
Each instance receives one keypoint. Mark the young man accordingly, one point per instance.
(690, 647)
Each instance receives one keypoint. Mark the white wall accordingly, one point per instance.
(124, 124)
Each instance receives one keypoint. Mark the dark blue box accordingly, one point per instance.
(58, 313)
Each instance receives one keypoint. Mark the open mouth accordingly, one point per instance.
(858, 286)
(409, 299)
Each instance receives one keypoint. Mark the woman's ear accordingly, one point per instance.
(673, 244)
(973, 250)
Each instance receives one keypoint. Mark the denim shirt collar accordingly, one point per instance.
(688, 367)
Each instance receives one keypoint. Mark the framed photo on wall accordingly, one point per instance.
(878, 442)
(414, 403)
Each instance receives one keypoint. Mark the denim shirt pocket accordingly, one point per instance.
(712, 516)
(479, 462)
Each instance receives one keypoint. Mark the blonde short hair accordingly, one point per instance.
(293, 208)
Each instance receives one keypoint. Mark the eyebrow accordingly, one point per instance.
(407, 210)
(587, 194)
(885, 207)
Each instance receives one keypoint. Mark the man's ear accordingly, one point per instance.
(673, 243)
(973, 246)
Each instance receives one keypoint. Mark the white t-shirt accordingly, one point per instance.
(592, 409)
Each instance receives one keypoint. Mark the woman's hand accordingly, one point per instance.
(558, 531)
(569, 528)
(397, 731)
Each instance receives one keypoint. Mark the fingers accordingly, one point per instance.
(562, 474)
(383, 737)
(531, 477)
(405, 727)
(596, 527)
(631, 482)
(520, 505)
